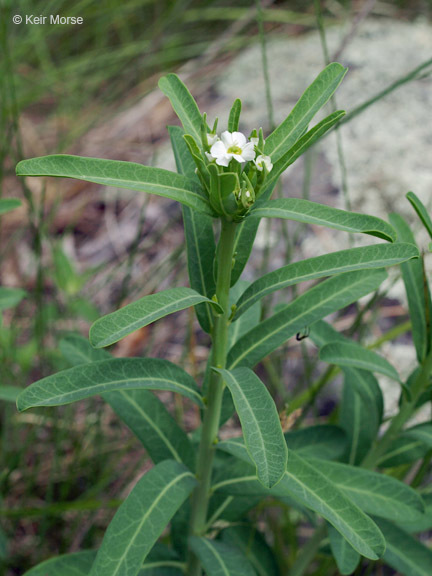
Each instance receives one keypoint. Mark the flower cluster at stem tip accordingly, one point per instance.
(232, 169)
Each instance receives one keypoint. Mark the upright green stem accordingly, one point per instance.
(210, 427)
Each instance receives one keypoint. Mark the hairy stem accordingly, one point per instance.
(210, 427)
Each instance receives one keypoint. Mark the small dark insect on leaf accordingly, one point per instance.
(303, 335)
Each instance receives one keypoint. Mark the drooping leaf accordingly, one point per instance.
(313, 213)
(76, 564)
(260, 423)
(183, 104)
(199, 235)
(303, 144)
(120, 174)
(404, 450)
(318, 302)
(374, 493)
(220, 559)
(141, 519)
(347, 559)
(422, 213)
(78, 350)
(153, 425)
(306, 484)
(10, 297)
(404, 553)
(375, 256)
(234, 116)
(353, 355)
(312, 100)
(416, 290)
(115, 326)
(320, 441)
(104, 376)
(8, 204)
(254, 546)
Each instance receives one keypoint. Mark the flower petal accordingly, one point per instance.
(223, 161)
(248, 151)
(239, 138)
(218, 149)
(227, 139)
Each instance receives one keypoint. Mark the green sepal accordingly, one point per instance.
(234, 116)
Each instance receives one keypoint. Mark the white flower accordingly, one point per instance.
(212, 139)
(255, 141)
(263, 160)
(232, 145)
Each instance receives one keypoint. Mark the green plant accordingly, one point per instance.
(203, 486)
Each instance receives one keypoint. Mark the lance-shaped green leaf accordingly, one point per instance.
(374, 493)
(346, 557)
(106, 375)
(420, 524)
(76, 564)
(416, 289)
(404, 450)
(142, 518)
(314, 98)
(247, 321)
(253, 545)
(321, 441)
(199, 235)
(234, 116)
(313, 213)
(162, 561)
(78, 350)
(404, 553)
(9, 393)
(223, 187)
(153, 425)
(183, 104)
(245, 237)
(306, 484)
(196, 154)
(10, 297)
(220, 559)
(303, 144)
(422, 432)
(260, 423)
(120, 174)
(329, 296)
(118, 324)
(353, 355)
(422, 213)
(368, 257)
(8, 204)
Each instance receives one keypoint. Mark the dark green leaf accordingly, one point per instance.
(318, 302)
(78, 350)
(376, 256)
(199, 235)
(100, 377)
(153, 425)
(403, 553)
(416, 290)
(313, 213)
(76, 564)
(260, 424)
(120, 174)
(303, 144)
(347, 559)
(314, 98)
(352, 355)
(422, 213)
(115, 326)
(320, 441)
(234, 116)
(220, 559)
(254, 546)
(183, 104)
(141, 519)
(374, 493)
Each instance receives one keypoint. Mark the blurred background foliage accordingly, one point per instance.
(62, 471)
